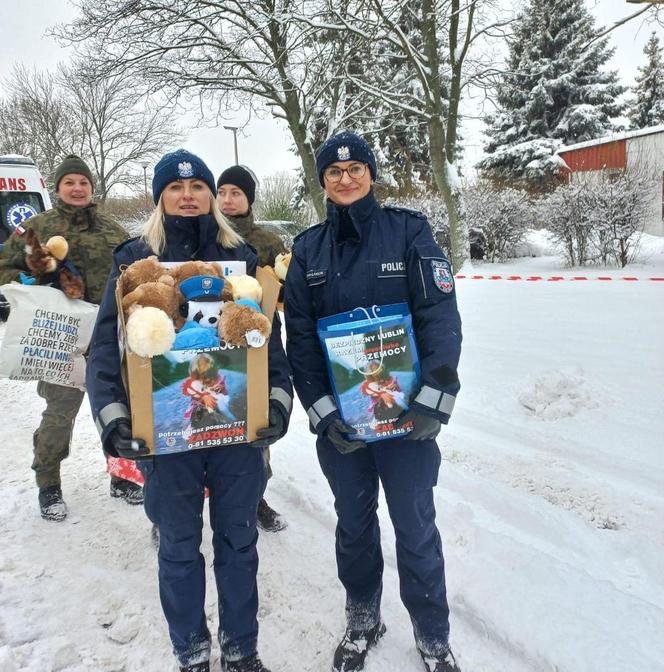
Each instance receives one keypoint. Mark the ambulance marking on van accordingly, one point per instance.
(12, 184)
(19, 213)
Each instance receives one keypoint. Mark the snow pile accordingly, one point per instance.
(558, 394)
(551, 518)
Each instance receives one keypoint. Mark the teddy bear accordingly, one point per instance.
(155, 307)
(281, 264)
(50, 264)
(142, 271)
(242, 322)
(152, 312)
(237, 298)
(189, 269)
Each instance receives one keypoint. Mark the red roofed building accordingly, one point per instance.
(641, 150)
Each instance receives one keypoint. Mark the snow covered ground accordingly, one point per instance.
(550, 502)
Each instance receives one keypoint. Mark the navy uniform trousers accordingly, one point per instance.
(174, 497)
(408, 470)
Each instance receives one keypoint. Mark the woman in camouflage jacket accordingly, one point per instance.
(91, 236)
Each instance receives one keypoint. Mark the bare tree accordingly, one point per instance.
(37, 121)
(225, 52)
(107, 121)
(119, 126)
(440, 51)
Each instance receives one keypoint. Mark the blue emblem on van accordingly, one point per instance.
(19, 213)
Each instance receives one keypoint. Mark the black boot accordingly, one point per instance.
(131, 492)
(248, 664)
(443, 663)
(353, 648)
(268, 519)
(51, 504)
(197, 667)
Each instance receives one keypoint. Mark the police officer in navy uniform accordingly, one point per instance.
(187, 224)
(365, 255)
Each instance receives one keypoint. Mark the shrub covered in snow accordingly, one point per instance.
(503, 215)
(598, 218)
(497, 219)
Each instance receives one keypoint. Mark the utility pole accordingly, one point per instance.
(234, 129)
(145, 165)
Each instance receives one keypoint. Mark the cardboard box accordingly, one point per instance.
(162, 391)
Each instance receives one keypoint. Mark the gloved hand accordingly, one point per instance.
(276, 428)
(27, 279)
(336, 433)
(424, 426)
(124, 445)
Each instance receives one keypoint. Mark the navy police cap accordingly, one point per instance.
(206, 287)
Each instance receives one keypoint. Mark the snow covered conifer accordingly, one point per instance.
(647, 108)
(555, 91)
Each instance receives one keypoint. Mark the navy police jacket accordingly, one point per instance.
(367, 255)
(186, 239)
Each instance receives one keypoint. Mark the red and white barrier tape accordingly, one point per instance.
(555, 278)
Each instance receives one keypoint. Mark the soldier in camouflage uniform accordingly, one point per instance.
(91, 237)
(236, 191)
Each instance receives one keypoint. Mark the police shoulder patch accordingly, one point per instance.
(442, 275)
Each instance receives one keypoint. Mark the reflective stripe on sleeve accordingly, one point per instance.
(110, 413)
(436, 400)
(280, 395)
(321, 409)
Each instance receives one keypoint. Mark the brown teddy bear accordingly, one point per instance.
(49, 263)
(242, 322)
(151, 306)
(142, 271)
(188, 269)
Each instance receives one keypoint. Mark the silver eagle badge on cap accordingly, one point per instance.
(343, 153)
(185, 169)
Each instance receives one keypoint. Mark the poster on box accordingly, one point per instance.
(374, 373)
(46, 336)
(190, 399)
(199, 399)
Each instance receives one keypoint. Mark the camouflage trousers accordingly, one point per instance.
(52, 438)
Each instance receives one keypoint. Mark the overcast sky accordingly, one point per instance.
(264, 145)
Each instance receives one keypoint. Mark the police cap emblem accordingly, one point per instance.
(343, 153)
(185, 170)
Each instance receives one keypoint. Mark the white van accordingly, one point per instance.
(23, 193)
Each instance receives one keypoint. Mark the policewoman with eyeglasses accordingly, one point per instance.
(365, 255)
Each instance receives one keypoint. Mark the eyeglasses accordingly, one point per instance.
(355, 172)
